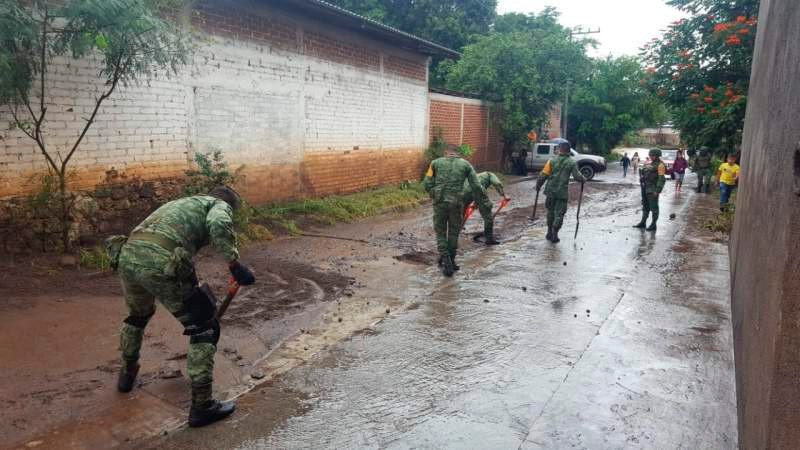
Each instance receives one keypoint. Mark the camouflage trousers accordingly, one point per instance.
(485, 208)
(556, 208)
(649, 205)
(141, 270)
(703, 179)
(448, 219)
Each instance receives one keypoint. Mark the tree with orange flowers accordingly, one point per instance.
(701, 65)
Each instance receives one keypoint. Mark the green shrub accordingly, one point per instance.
(212, 171)
(95, 258)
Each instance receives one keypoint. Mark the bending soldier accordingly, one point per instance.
(444, 181)
(556, 174)
(652, 181)
(156, 263)
(487, 180)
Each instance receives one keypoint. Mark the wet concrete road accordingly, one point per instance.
(619, 339)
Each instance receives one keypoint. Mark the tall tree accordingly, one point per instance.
(523, 72)
(701, 68)
(611, 102)
(131, 41)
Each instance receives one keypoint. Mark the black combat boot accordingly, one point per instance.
(447, 266)
(490, 240)
(205, 410)
(652, 226)
(549, 235)
(642, 223)
(127, 376)
(456, 267)
(554, 237)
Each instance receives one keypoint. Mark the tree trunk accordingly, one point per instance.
(62, 188)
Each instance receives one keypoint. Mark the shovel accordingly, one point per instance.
(503, 203)
(233, 289)
(468, 212)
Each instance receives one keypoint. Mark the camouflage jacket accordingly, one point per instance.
(446, 178)
(487, 180)
(556, 174)
(192, 223)
(701, 162)
(652, 177)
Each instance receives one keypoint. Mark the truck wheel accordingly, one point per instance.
(587, 171)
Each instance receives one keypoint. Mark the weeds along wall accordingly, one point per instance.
(308, 108)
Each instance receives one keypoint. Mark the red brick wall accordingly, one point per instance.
(474, 132)
(445, 117)
(553, 125)
(405, 67)
(467, 121)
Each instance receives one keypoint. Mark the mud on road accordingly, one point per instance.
(59, 339)
(314, 295)
(59, 344)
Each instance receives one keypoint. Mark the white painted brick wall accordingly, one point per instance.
(260, 105)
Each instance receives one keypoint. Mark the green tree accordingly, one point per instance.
(611, 102)
(523, 72)
(701, 68)
(451, 23)
(513, 21)
(131, 40)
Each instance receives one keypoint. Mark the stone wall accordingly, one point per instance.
(765, 244)
(30, 224)
(274, 90)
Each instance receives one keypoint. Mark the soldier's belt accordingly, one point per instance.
(159, 240)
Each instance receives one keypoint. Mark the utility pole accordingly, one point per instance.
(576, 31)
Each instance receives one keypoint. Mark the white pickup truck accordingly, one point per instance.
(538, 154)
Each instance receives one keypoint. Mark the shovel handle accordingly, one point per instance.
(233, 289)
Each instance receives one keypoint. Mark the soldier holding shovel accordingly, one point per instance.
(155, 262)
(556, 174)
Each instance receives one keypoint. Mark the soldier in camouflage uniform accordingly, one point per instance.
(156, 263)
(556, 174)
(652, 180)
(701, 165)
(487, 180)
(444, 181)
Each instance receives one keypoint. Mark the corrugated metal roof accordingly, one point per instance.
(372, 27)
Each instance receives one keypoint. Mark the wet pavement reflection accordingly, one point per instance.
(618, 339)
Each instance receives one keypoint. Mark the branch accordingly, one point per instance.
(118, 72)
(37, 139)
(42, 61)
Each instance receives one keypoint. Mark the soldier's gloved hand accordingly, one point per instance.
(241, 273)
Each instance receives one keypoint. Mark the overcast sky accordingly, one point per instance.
(625, 25)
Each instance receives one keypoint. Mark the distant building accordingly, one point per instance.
(664, 135)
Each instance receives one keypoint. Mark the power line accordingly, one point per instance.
(575, 31)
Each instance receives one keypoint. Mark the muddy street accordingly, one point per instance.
(618, 339)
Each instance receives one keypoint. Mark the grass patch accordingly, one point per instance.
(723, 222)
(612, 157)
(94, 258)
(292, 216)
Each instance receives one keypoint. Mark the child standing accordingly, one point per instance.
(728, 176)
(635, 163)
(679, 170)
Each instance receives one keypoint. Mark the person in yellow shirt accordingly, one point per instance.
(728, 176)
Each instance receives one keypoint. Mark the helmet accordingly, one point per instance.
(704, 150)
(655, 152)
